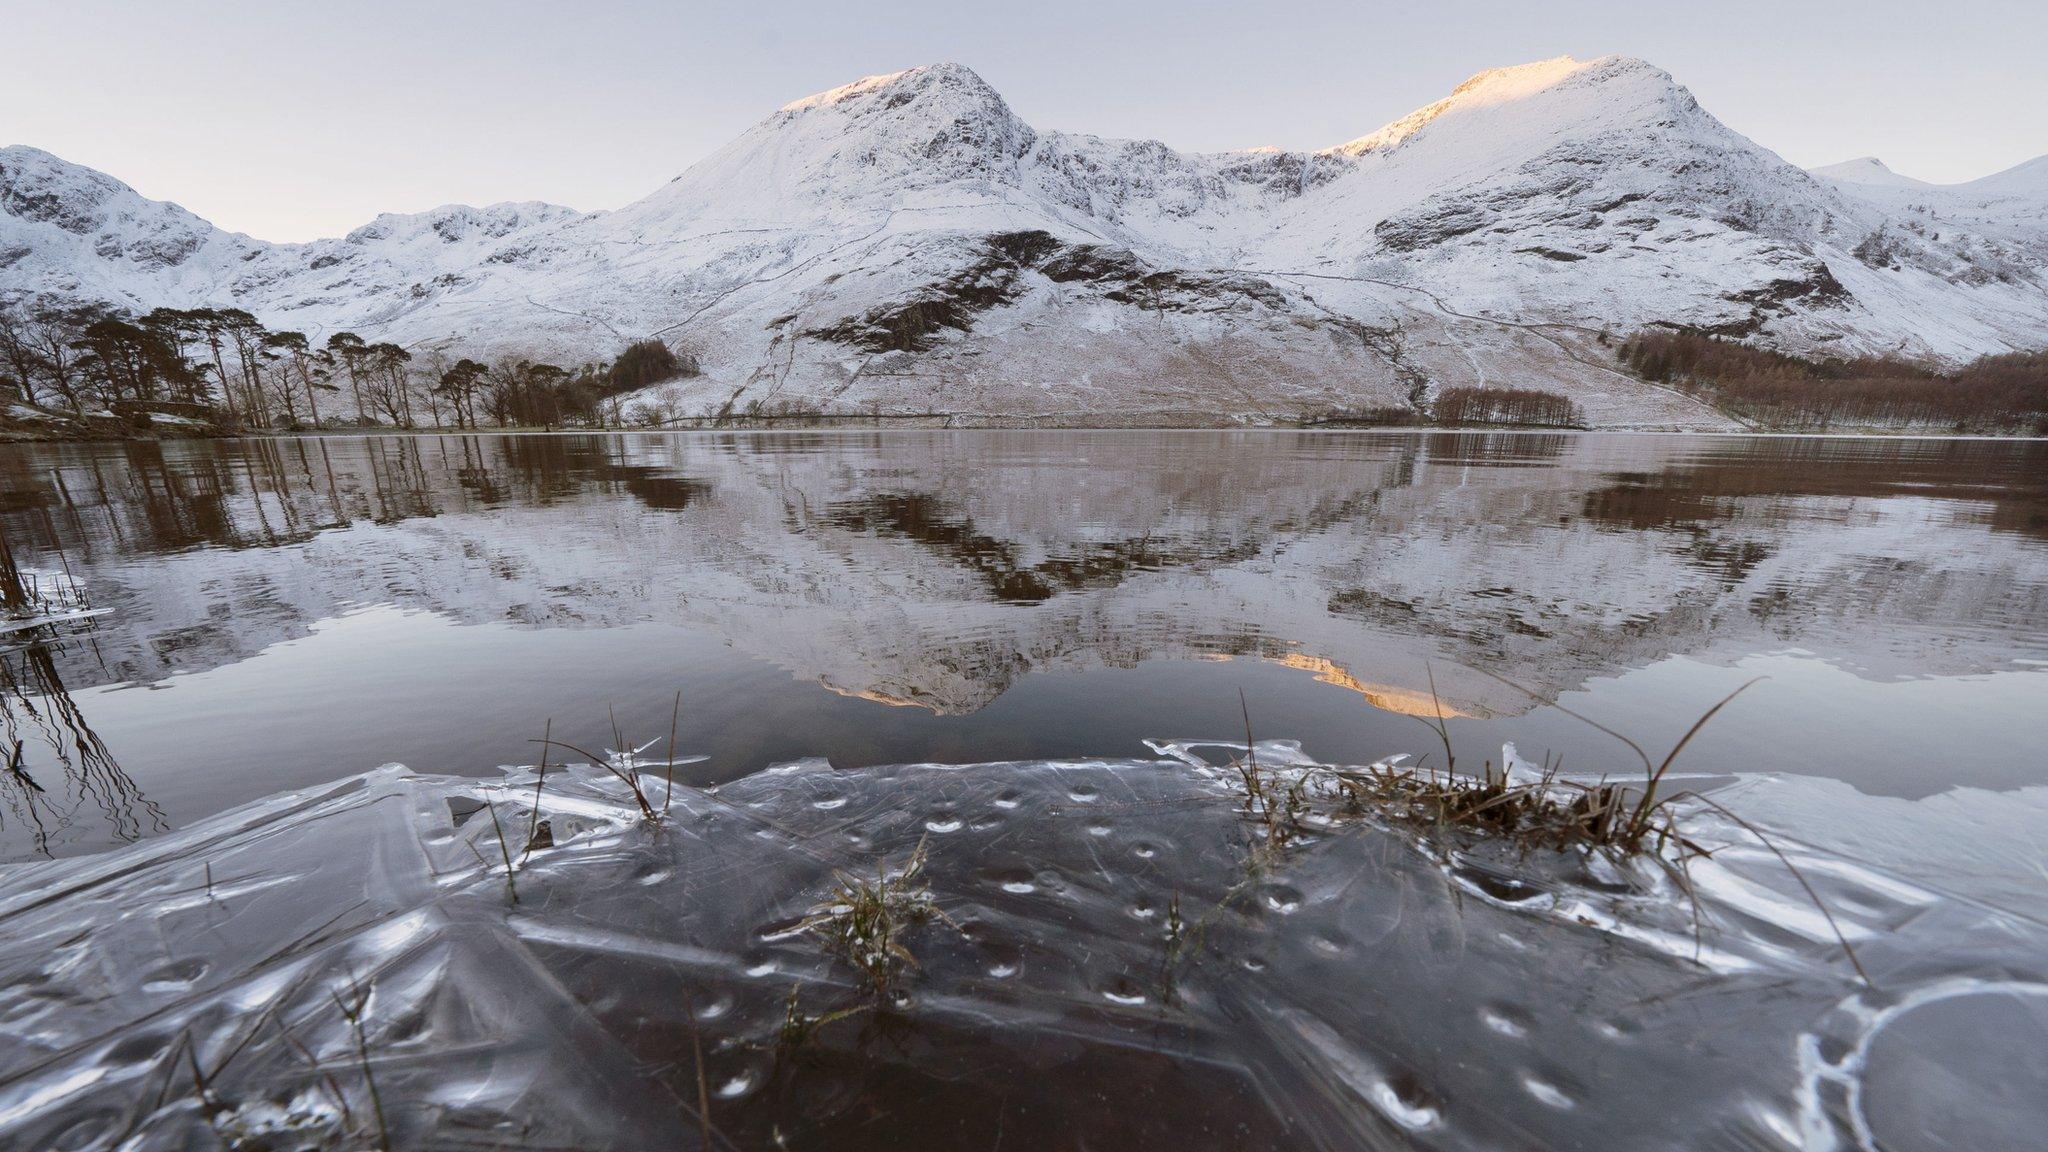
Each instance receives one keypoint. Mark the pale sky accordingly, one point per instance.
(292, 120)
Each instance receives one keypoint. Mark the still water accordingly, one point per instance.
(272, 614)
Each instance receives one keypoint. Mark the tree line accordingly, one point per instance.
(1529, 407)
(2000, 393)
(1479, 406)
(223, 367)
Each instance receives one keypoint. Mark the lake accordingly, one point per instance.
(959, 840)
(273, 614)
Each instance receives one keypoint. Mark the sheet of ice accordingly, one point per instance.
(1374, 986)
(51, 598)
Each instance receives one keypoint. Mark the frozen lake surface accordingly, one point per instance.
(966, 640)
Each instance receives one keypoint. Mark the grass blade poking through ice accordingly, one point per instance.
(539, 781)
(352, 1011)
(674, 716)
(1647, 807)
(604, 762)
(1797, 875)
(504, 850)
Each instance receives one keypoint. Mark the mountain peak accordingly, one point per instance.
(936, 107)
(41, 189)
(1866, 170)
(1497, 87)
(37, 185)
(1518, 79)
(944, 80)
(872, 140)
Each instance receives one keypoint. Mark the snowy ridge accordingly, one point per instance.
(1494, 86)
(906, 244)
(1867, 170)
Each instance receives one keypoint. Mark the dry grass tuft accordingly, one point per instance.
(864, 921)
(1620, 821)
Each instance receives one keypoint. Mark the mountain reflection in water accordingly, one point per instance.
(310, 608)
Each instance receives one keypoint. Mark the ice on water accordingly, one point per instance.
(1123, 970)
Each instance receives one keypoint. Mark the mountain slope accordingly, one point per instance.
(906, 244)
(1988, 233)
(71, 232)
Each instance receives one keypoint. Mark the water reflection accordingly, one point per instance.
(41, 724)
(946, 570)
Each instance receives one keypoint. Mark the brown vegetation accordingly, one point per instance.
(1993, 394)
(1519, 406)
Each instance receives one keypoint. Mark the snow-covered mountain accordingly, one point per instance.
(1993, 229)
(907, 244)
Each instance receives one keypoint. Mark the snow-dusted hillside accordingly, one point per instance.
(907, 244)
(1990, 230)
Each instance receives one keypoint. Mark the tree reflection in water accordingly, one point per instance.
(44, 728)
(1034, 594)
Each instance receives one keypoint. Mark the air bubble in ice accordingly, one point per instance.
(175, 977)
(1282, 899)
(1548, 1093)
(1403, 1099)
(1502, 1022)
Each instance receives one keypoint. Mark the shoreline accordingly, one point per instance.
(848, 425)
